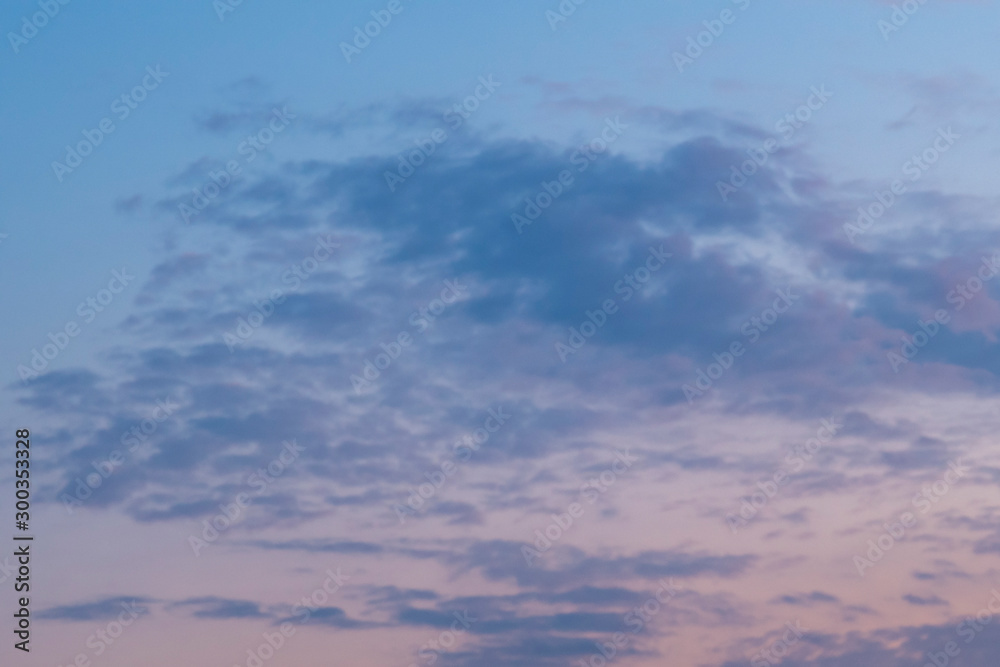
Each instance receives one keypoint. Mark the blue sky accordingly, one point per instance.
(647, 356)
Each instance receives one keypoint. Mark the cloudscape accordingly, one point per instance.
(549, 334)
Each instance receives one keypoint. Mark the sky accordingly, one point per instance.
(526, 333)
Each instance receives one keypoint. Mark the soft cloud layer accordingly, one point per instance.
(546, 395)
